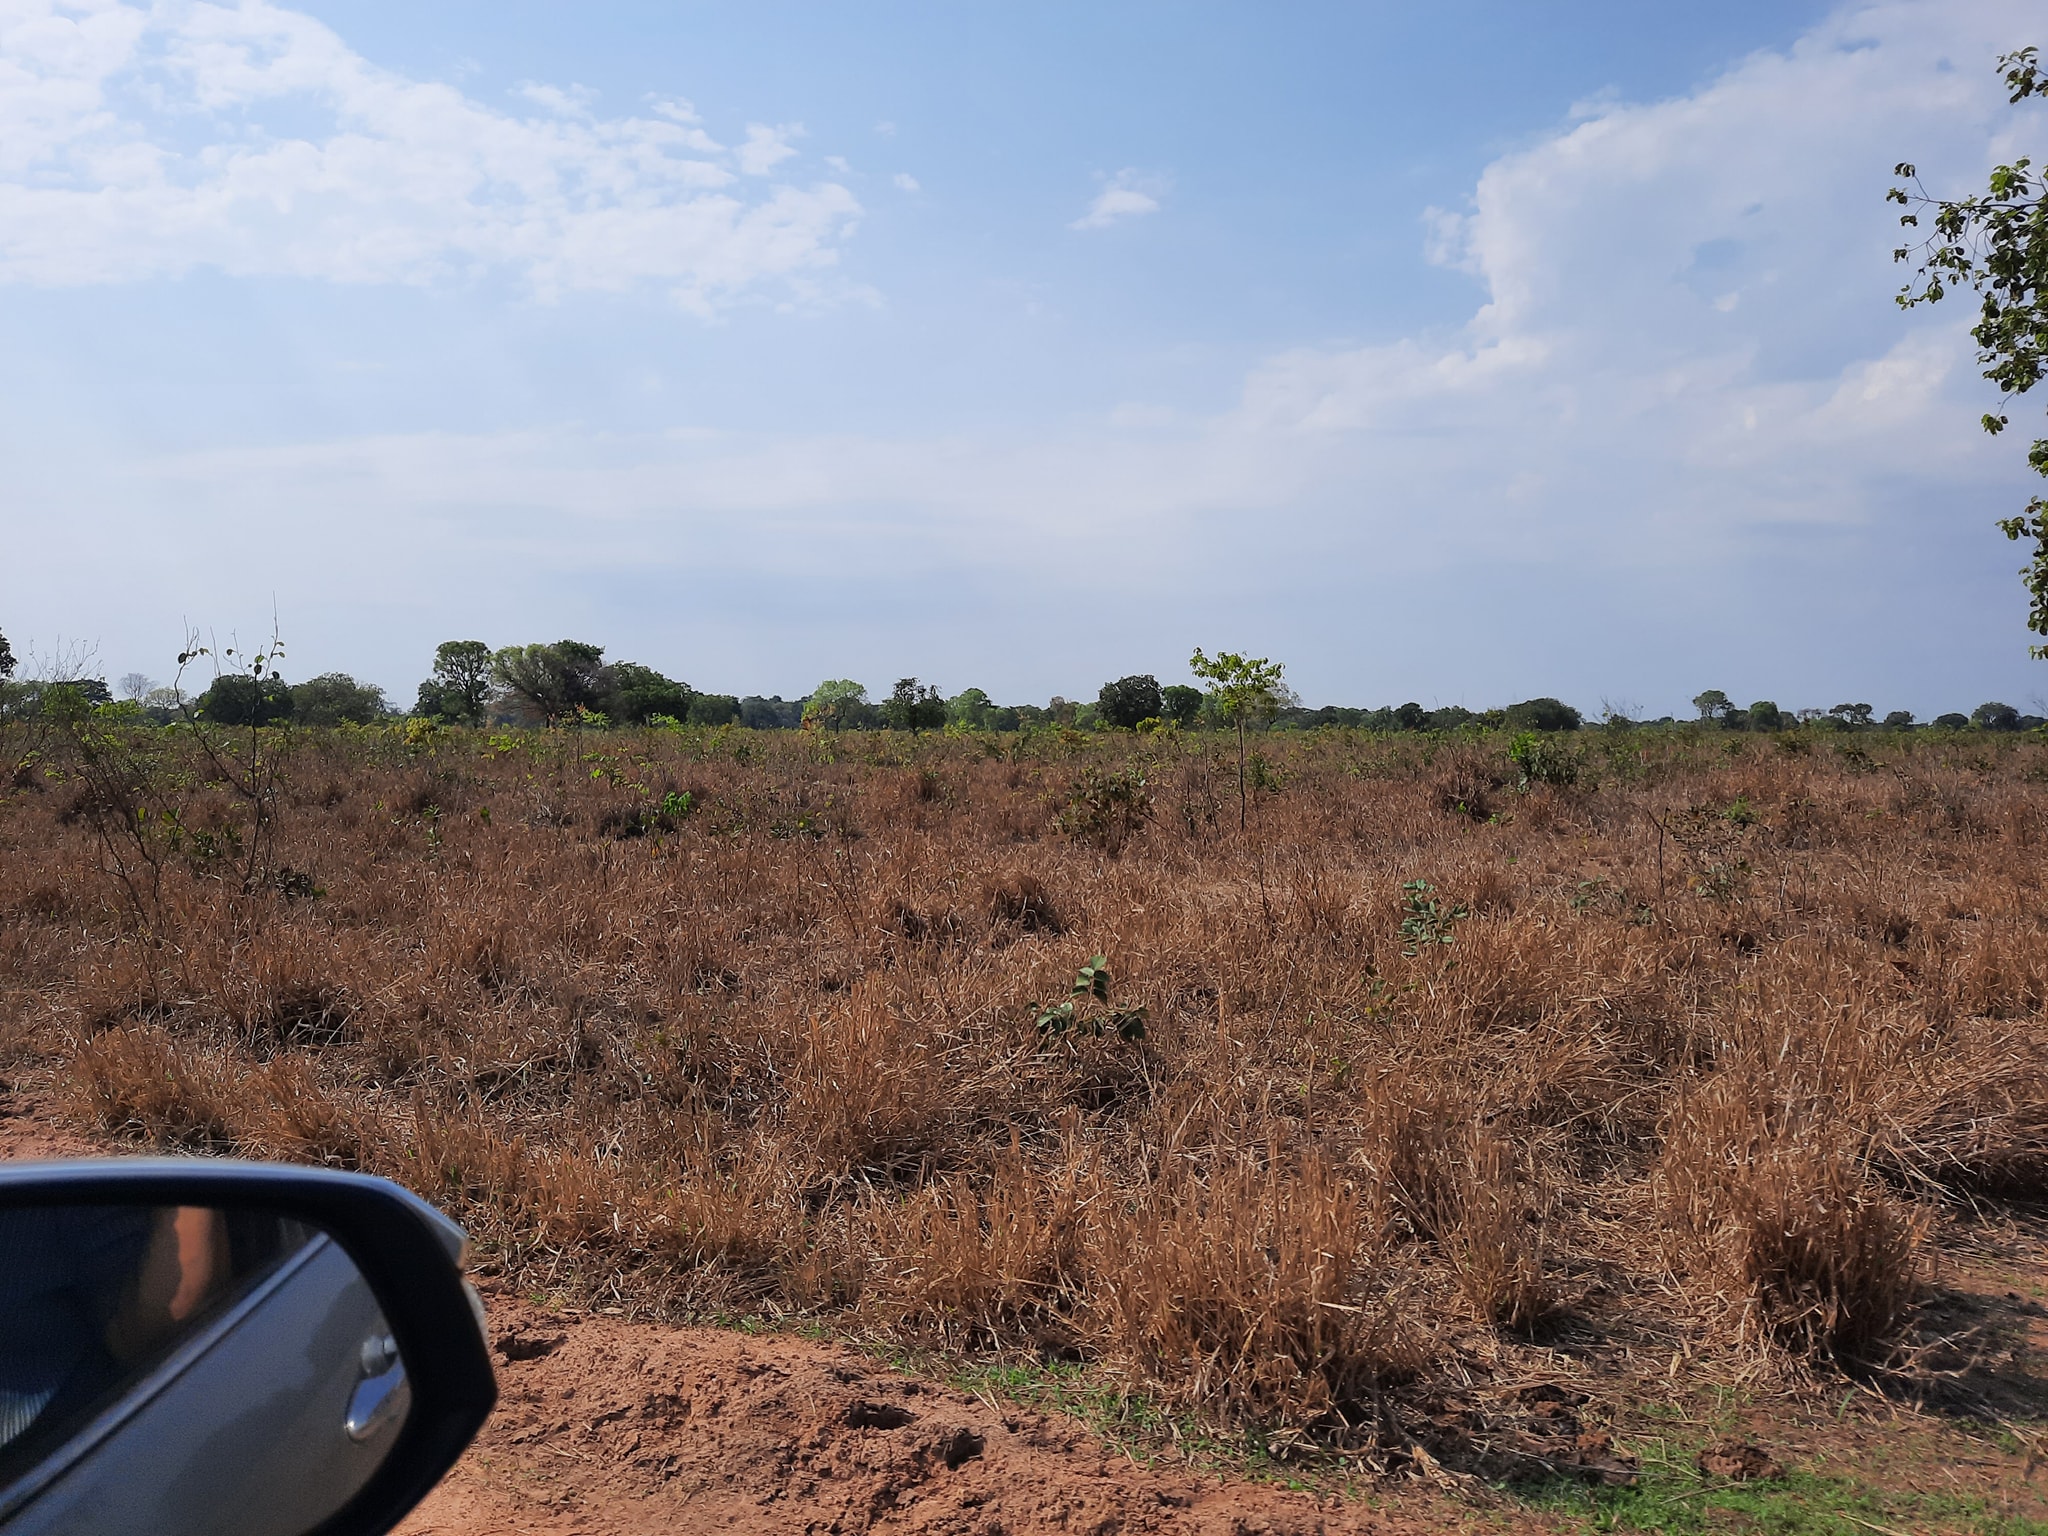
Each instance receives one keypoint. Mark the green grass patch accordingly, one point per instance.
(1673, 1496)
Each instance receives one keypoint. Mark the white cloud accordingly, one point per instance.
(1126, 195)
(141, 142)
(768, 147)
(905, 182)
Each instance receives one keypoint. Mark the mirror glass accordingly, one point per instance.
(241, 1348)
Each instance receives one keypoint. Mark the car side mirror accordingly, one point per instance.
(214, 1348)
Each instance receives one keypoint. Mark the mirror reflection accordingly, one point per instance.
(93, 1296)
(247, 1340)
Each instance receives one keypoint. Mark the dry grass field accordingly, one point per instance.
(1698, 1063)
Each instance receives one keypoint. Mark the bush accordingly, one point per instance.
(1106, 809)
(1129, 700)
(1542, 760)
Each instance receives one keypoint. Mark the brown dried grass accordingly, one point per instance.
(780, 1054)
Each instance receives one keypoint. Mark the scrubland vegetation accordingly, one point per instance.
(1670, 1051)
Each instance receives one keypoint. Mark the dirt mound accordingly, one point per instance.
(614, 1427)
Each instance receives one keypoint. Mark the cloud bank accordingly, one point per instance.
(147, 141)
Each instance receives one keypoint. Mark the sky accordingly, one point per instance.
(1458, 353)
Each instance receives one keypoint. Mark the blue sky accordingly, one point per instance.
(1455, 353)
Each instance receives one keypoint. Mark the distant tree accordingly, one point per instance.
(7, 662)
(1544, 714)
(636, 694)
(552, 682)
(1128, 700)
(913, 706)
(770, 714)
(1899, 720)
(1183, 705)
(237, 698)
(1450, 717)
(970, 709)
(1764, 715)
(713, 709)
(1062, 710)
(1245, 689)
(1952, 721)
(1857, 715)
(837, 704)
(460, 688)
(135, 686)
(1995, 717)
(335, 698)
(74, 693)
(1713, 705)
(1997, 244)
(1410, 716)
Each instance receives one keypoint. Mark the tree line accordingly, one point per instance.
(570, 683)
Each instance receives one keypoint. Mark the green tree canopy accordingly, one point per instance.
(460, 688)
(7, 662)
(1245, 689)
(1995, 717)
(837, 704)
(1713, 705)
(1183, 704)
(713, 709)
(636, 694)
(972, 708)
(1544, 714)
(552, 682)
(1128, 700)
(1952, 721)
(913, 706)
(237, 698)
(335, 698)
(1764, 715)
(1996, 243)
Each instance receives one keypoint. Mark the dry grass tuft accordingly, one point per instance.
(1772, 1200)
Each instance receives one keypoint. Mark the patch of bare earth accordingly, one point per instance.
(617, 1427)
